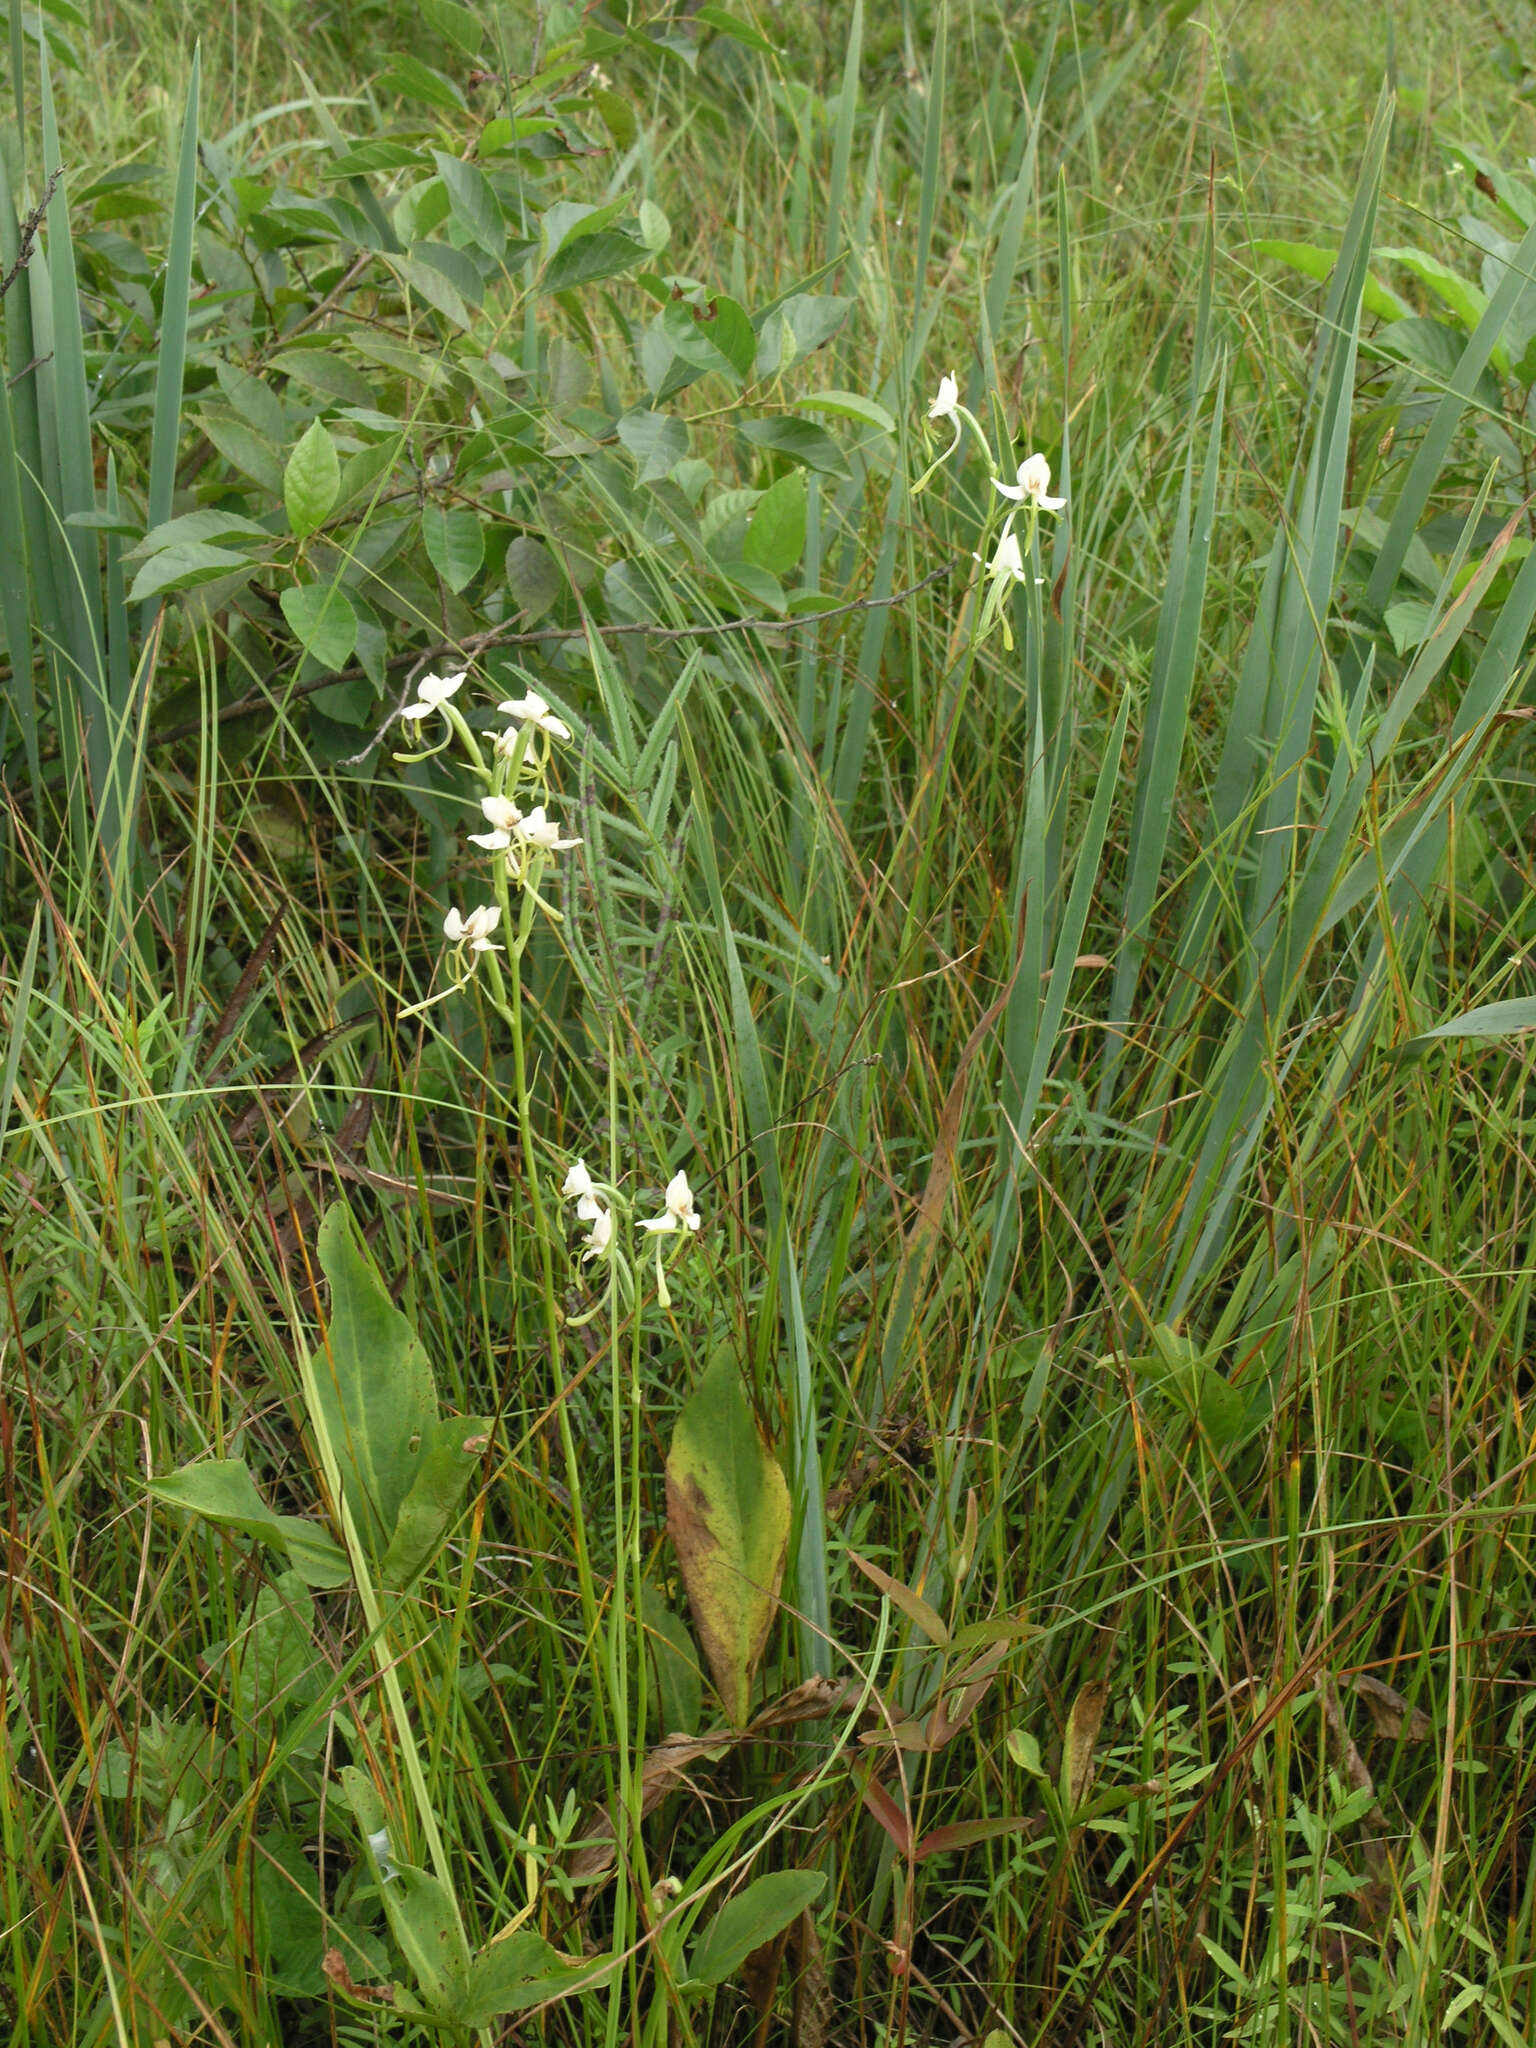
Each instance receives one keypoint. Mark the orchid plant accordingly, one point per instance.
(525, 838)
(1029, 493)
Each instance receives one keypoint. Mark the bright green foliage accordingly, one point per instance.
(1099, 1049)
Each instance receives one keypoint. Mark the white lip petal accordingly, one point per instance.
(949, 397)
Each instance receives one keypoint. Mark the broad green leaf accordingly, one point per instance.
(206, 525)
(567, 220)
(428, 281)
(322, 621)
(183, 566)
(716, 336)
(732, 25)
(323, 370)
(223, 1492)
(754, 1916)
(272, 1660)
(249, 452)
(797, 440)
(311, 481)
(374, 1384)
(434, 1502)
(473, 200)
(776, 531)
(657, 440)
(455, 544)
(533, 576)
(459, 24)
(1316, 262)
(797, 328)
(523, 1970)
(423, 1921)
(849, 405)
(728, 1515)
(1488, 1020)
(589, 257)
(1466, 300)
(679, 1695)
(414, 80)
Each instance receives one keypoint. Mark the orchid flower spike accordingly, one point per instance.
(680, 1212)
(1034, 484)
(533, 710)
(475, 930)
(503, 818)
(432, 692)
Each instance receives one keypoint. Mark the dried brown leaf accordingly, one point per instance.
(1077, 1759)
(812, 2020)
(1390, 1713)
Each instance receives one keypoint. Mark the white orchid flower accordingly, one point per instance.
(542, 831)
(503, 818)
(1007, 563)
(533, 710)
(600, 1236)
(475, 930)
(1034, 484)
(432, 692)
(680, 1212)
(579, 1187)
(947, 404)
(379, 1844)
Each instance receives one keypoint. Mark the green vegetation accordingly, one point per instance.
(1033, 1543)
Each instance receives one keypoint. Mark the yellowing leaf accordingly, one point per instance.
(728, 1516)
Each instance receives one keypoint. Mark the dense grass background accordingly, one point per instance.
(1103, 1260)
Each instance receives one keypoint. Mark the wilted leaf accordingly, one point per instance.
(883, 1807)
(1390, 1713)
(728, 1515)
(964, 1834)
(1083, 1724)
(911, 1604)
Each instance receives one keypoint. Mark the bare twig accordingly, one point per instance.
(499, 636)
(29, 230)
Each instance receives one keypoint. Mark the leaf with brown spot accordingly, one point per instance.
(728, 1516)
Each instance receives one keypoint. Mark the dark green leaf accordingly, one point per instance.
(798, 441)
(753, 1917)
(322, 621)
(455, 544)
(311, 480)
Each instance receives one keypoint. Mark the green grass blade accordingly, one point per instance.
(842, 139)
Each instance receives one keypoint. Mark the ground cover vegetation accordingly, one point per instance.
(766, 954)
